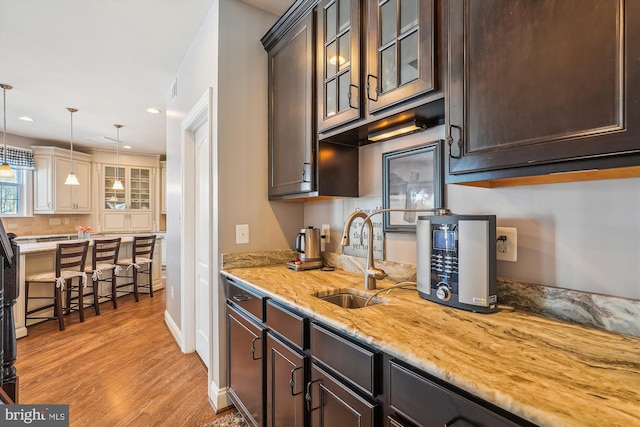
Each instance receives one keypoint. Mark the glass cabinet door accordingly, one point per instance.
(401, 51)
(338, 65)
(140, 189)
(114, 199)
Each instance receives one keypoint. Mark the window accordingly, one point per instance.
(15, 194)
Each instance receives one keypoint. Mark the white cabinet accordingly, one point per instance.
(51, 195)
(129, 209)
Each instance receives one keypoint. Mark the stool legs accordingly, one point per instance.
(114, 288)
(58, 307)
(135, 284)
(150, 279)
(96, 304)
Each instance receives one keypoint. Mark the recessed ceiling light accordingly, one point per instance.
(128, 147)
(26, 118)
(153, 111)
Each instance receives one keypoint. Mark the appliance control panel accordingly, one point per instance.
(457, 260)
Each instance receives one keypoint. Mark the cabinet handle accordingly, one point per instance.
(349, 95)
(253, 348)
(306, 171)
(455, 420)
(241, 298)
(292, 381)
(307, 396)
(369, 88)
(459, 143)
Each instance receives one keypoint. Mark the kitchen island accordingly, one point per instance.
(549, 372)
(40, 258)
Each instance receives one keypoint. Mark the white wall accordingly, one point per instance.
(583, 236)
(228, 57)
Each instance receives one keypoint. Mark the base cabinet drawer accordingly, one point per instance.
(332, 404)
(427, 404)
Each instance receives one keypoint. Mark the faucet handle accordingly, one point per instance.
(376, 273)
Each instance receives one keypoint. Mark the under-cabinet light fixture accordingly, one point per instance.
(72, 179)
(400, 129)
(5, 169)
(117, 184)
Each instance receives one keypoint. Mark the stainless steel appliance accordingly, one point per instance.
(456, 263)
(308, 247)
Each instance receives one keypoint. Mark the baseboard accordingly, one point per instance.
(219, 398)
(174, 329)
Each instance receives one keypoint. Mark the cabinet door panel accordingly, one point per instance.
(246, 361)
(400, 53)
(140, 221)
(334, 405)
(291, 134)
(63, 193)
(82, 193)
(338, 67)
(43, 184)
(285, 385)
(115, 221)
(540, 82)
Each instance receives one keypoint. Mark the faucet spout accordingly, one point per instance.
(371, 273)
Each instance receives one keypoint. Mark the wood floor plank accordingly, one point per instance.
(122, 368)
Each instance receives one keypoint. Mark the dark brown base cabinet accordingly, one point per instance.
(286, 375)
(332, 403)
(540, 87)
(246, 365)
(286, 371)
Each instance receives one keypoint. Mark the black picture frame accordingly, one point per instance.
(412, 178)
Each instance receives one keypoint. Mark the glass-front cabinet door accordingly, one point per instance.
(140, 189)
(338, 67)
(401, 59)
(114, 199)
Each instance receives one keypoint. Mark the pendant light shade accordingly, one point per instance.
(5, 169)
(72, 179)
(117, 184)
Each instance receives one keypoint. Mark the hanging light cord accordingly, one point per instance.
(4, 126)
(117, 151)
(71, 111)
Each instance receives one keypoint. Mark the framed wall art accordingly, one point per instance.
(412, 178)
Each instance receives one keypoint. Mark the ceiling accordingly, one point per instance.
(110, 59)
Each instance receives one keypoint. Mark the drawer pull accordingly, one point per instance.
(253, 348)
(241, 298)
(292, 382)
(459, 421)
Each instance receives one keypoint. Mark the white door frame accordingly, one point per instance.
(198, 115)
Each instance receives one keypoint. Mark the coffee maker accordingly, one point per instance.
(308, 247)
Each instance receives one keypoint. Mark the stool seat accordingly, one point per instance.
(127, 262)
(50, 277)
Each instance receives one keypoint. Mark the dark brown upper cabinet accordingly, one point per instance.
(541, 87)
(377, 66)
(400, 51)
(338, 62)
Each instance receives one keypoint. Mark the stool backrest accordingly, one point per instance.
(71, 256)
(143, 247)
(105, 251)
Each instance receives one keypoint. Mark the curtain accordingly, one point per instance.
(18, 158)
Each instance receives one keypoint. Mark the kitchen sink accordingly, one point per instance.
(349, 298)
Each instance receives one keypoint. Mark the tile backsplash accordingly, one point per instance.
(38, 225)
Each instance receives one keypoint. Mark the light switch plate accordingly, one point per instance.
(242, 233)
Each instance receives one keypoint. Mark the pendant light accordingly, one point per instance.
(117, 184)
(5, 169)
(72, 179)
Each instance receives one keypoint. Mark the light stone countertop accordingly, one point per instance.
(549, 372)
(29, 248)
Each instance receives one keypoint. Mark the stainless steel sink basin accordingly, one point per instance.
(349, 298)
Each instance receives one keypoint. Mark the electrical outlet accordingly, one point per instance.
(242, 233)
(506, 244)
(325, 231)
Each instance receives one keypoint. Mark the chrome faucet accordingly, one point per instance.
(371, 273)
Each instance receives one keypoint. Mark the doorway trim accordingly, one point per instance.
(199, 114)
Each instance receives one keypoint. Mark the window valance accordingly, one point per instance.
(18, 158)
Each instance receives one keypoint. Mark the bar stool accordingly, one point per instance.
(69, 265)
(104, 260)
(140, 263)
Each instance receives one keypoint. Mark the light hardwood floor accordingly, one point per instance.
(122, 368)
